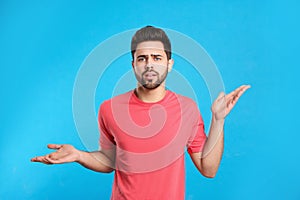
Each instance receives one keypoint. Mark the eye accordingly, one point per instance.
(157, 58)
(141, 59)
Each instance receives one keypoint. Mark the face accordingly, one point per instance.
(151, 64)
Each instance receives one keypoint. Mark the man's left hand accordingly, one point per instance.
(224, 103)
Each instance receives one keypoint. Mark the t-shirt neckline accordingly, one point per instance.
(136, 99)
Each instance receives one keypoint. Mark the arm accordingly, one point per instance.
(208, 161)
(100, 161)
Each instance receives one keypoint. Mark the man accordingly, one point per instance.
(144, 132)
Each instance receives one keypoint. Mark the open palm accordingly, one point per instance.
(222, 106)
(65, 153)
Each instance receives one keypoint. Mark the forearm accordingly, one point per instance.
(96, 161)
(213, 148)
(209, 159)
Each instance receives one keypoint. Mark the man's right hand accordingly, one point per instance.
(65, 153)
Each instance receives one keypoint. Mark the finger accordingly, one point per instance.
(241, 91)
(37, 159)
(46, 160)
(233, 99)
(237, 92)
(246, 87)
(241, 88)
(41, 159)
(57, 155)
(59, 160)
(54, 146)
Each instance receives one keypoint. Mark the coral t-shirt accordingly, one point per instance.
(150, 140)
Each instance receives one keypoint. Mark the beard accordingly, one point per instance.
(151, 84)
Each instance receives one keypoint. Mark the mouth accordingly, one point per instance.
(150, 74)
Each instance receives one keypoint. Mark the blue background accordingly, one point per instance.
(43, 44)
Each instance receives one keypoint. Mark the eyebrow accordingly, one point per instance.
(152, 55)
(155, 55)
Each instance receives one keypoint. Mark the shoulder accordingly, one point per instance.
(184, 100)
(187, 105)
(190, 109)
(116, 100)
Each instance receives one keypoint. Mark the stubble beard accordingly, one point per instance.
(149, 84)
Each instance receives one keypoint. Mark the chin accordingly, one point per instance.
(152, 87)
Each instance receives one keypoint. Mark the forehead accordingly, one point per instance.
(150, 47)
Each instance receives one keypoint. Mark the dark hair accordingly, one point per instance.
(150, 33)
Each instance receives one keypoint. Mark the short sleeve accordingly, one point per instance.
(197, 140)
(106, 140)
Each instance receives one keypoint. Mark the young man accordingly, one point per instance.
(144, 132)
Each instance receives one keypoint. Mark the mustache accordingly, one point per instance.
(151, 70)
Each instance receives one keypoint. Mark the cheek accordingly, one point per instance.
(162, 69)
(138, 70)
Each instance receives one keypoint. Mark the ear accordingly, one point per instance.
(132, 64)
(170, 64)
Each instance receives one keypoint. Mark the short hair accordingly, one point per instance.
(150, 33)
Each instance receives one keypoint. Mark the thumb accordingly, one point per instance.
(221, 96)
(54, 146)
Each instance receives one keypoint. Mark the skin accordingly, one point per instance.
(151, 65)
(151, 55)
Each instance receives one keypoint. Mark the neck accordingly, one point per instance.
(150, 96)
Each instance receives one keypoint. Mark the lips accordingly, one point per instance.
(150, 75)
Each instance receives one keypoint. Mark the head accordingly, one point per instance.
(151, 56)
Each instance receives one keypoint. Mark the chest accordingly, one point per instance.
(143, 129)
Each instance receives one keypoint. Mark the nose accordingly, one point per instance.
(148, 65)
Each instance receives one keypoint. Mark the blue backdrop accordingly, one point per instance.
(43, 44)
